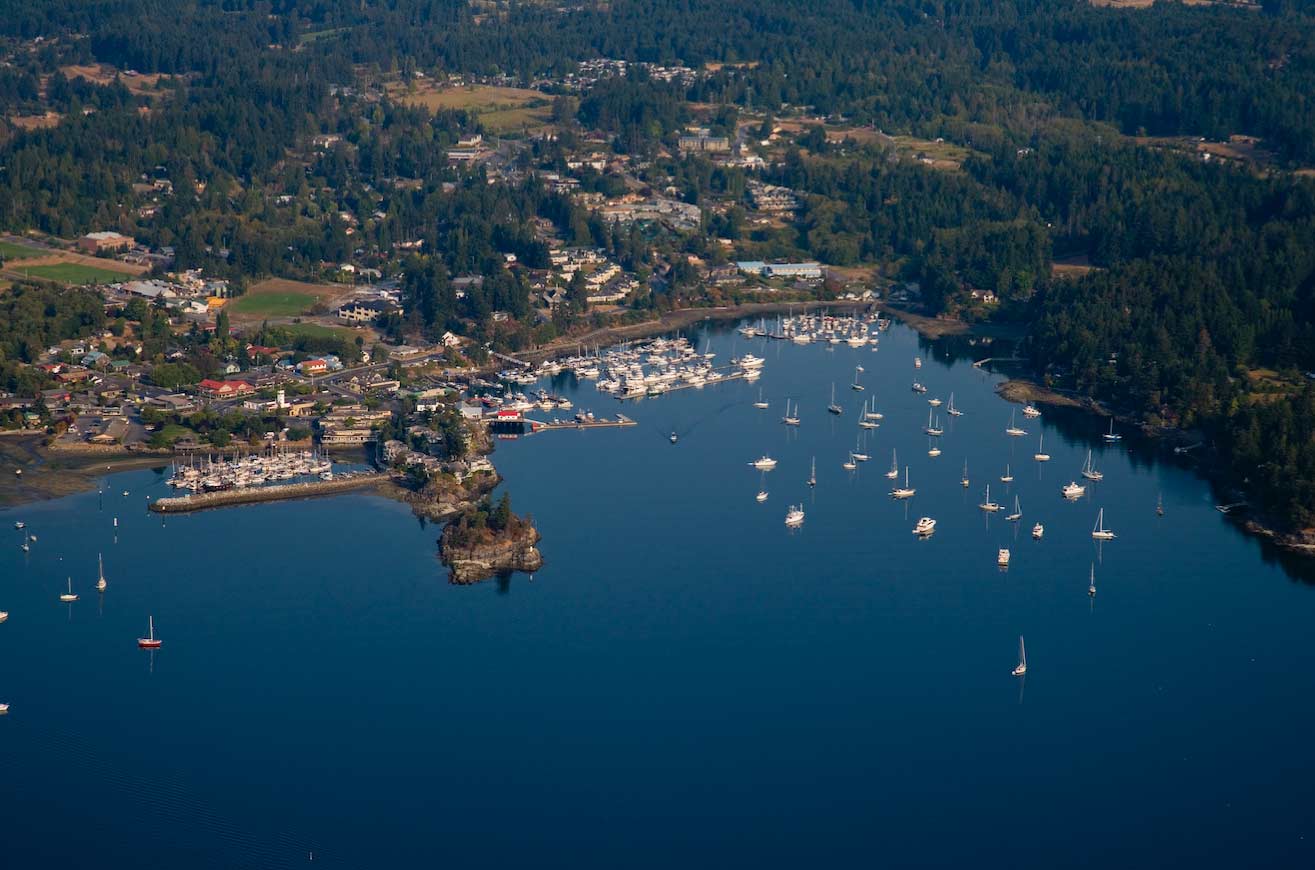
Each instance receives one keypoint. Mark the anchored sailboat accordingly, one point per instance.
(953, 411)
(100, 573)
(905, 491)
(833, 407)
(1099, 532)
(1089, 471)
(1022, 658)
(1018, 512)
(150, 641)
(1110, 436)
(1013, 427)
(988, 505)
(894, 467)
(1041, 455)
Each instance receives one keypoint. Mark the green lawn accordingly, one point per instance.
(314, 329)
(73, 273)
(273, 304)
(172, 432)
(9, 251)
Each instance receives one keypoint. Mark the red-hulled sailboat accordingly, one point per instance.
(150, 641)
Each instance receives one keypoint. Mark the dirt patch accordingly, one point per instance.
(139, 84)
(1072, 267)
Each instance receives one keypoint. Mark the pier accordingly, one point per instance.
(618, 422)
(252, 495)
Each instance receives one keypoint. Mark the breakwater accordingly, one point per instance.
(251, 495)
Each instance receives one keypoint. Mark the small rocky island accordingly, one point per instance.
(487, 539)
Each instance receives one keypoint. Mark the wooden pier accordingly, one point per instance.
(620, 421)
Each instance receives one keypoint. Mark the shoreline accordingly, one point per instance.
(255, 495)
(680, 318)
(52, 473)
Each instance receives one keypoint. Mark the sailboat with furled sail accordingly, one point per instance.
(1089, 471)
(904, 491)
(894, 467)
(1021, 668)
(100, 573)
(1099, 532)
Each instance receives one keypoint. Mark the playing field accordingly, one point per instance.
(272, 304)
(72, 273)
(500, 110)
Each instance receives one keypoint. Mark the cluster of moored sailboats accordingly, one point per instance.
(213, 475)
(68, 596)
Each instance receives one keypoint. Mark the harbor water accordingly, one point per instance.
(687, 682)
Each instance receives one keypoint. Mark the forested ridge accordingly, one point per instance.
(1200, 310)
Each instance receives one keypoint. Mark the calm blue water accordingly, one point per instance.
(686, 682)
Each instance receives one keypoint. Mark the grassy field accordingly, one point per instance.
(280, 297)
(316, 330)
(272, 305)
(11, 252)
(172, 432)
(73, 273)
(499, 109)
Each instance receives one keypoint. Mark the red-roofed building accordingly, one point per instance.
(224, 389)
(255, 350)
(314, 367)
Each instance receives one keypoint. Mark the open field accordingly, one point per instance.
(317, 330)
(280, 297)
(35, 122)
(71, 273)
(139, 84)
(1071, 267)
(10, 251)
(499, 109)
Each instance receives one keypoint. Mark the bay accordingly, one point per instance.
(686, 681)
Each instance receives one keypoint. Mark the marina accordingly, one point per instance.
(893, 637)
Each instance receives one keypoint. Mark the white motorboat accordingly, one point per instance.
(1002, 558)
(935, 403)
(1031, 411)
(795, 516)
(762, 495)
(1073, 490)
(764, 463)
(1038, 531)
(925, 527)
(918, 388)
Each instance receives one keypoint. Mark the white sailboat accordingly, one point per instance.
(791, 419)
(69, 596)
(1110, 435)
(873, 414)
(933, 449)
(761, 404)
(1013, 429)
(1041, 455)
(849, 464)
(894, 467)
(953, 411)
(833, 407)
(1022, 659)
(964, 481)
(812, 475)
(858, 454)
(988, 505)
(100, 573)
(1089, 471)
(856, 386)
(904, 491)
(1099, 532)
(1018, 512)
(1008, 476)
(1091, 588)
(866, 421)
(932, 428)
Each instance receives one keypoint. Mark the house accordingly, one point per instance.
(450, 339)
(224, 389)
(704, 144)
(313, 367)
(175, 402)
(98, 243)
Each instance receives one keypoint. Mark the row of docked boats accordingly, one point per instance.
(213, 475)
